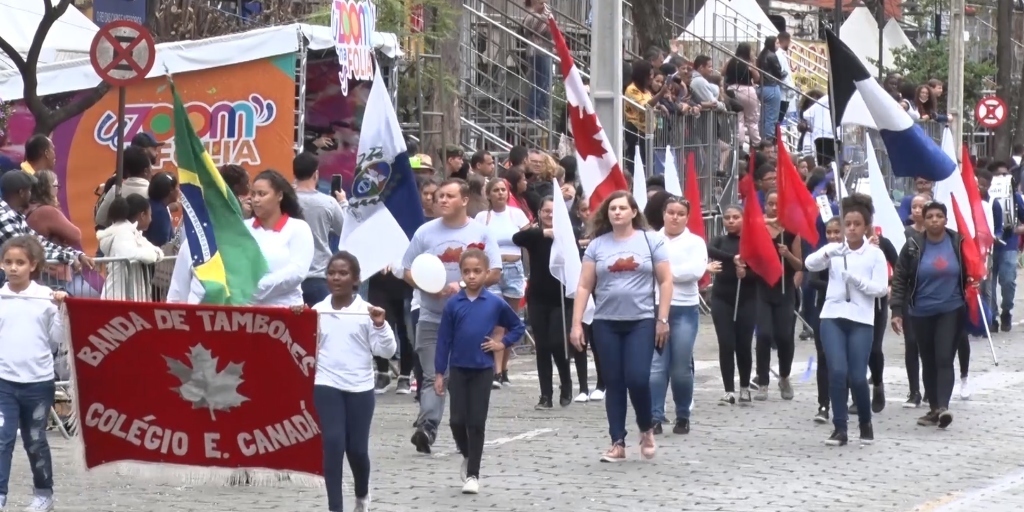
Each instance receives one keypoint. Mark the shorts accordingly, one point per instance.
(513, 280)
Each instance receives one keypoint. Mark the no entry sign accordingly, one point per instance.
(122, 52)
(990, 112)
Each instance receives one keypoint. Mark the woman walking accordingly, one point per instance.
(504, 221)
(911, 355)
(688, 260)
(928, 293)
(733, 308)
(580, 217)
(622, 267)
(819, 282)
(857, 276)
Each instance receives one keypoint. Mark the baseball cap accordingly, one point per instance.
(421, 161)
(145, 140)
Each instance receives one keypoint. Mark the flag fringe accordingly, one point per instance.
(171, 474)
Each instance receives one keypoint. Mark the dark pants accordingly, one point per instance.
(912, 357)
(626, 348)
(775, 324)
(394, 308)
(825, 150)
(963, 354)
(633, 137)
(734, 338)
(345, 420)
(417, 371)
(314, 290)
(821, 372)
(26, 406)
(783, 109)
(877, 360)
(551, 343)
(847, 346)
(588, 333)
(938, 337)
(469, 392)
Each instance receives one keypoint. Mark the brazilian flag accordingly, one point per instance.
(214, 227)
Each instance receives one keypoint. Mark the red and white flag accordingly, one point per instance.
(598, 167)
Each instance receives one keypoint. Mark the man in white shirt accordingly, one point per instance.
(789, 94)
(324, 215)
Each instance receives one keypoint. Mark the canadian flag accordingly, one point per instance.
(598, 168)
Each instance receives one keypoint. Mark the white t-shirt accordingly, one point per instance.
(502, 225)
(347, 345)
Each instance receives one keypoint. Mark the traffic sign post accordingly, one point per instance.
(990, 112)
(122, 53)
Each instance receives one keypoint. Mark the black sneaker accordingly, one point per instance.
(382, 383)
(867, 433)
(421, 439)
(403, 387)
(657, 428)
(944, 418)
(806, 335)
(504, 379)
(929, 420)
(497, 382)
(994, 326)
(838, 438)
(822, 415)
(565, 397)
(1007, 320)
(913, 401)
(544, 403)
(681, 427)
(878, 398)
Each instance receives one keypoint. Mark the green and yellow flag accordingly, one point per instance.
(214, 227)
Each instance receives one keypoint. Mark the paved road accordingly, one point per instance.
(766, 457)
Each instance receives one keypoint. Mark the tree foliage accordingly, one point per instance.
(931, 60)
(189, 20)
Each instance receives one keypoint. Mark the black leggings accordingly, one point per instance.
(588, 334)
(632, 138)
(394, 308)
(876, 362)
(469, 395)
(775, 322)
(912, 357)
(938, 337)
(963, 354)
(550, 338)
(821, 373)
(734, 338)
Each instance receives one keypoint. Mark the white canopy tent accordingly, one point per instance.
(893, 38)
(860, 33)
(68, 39)
(729, 21)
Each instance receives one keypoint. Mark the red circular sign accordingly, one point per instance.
(990, 112)
(123, 52)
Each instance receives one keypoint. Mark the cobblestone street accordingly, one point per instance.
(766, 457)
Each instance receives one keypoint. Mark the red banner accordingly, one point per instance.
(196, 385)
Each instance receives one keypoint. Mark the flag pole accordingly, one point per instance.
(736, 303)
(988, 333)
(782, 260)
(836, 130)
(565, 330)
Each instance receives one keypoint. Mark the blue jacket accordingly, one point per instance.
(465, 323)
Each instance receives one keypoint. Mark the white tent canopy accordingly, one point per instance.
(893, 38)
(860, 33)
(68, 39)
(729, 20)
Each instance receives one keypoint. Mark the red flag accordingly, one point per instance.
(798, 211)
(974, 265)
(212, 387)
(696, 221)
(598, 167)
(982, 233)
(757, 249)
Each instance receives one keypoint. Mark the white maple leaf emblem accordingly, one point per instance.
(203, 385)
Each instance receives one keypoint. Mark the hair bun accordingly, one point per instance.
(858, 201)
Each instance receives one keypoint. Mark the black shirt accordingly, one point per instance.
(785, 289)
(724, 248)
(542, 287)
(737, 72)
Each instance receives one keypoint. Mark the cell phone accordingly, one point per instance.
(878, 231)
(335, 184)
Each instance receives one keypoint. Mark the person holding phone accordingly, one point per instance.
(324, 215)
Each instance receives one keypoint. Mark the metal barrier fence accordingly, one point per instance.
(112, 279)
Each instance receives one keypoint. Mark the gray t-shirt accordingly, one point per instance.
(324, 216)
(625, 274)
(448, 244)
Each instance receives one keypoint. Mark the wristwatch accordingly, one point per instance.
(663, 320)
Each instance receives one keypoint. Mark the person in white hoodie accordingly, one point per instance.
(129, 278)
(31, 330)
(688, 256)
(858, 274)
(343, 393)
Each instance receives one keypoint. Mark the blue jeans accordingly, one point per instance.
(314, 290)
(771, 101)
(26, 406)
(847, 347)
(625, 349)
(345, 420)
(674, 364)
(1004, 272)
(540, 84)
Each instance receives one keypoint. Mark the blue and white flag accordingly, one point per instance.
(912, 153)
(384, 208)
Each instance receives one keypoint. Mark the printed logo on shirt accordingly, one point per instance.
(624, 264)
(453, 250)
(940, 263)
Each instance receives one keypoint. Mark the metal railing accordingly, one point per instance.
(112, 279)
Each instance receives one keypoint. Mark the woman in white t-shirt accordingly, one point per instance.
(502, 222)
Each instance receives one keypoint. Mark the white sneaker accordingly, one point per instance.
(472, 486)
(362, 504)
(464, 468)
(40, 504)
(581, 398)
(3, 501)
(597, 395)
(965, 389)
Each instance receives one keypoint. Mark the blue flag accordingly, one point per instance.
(384, 207)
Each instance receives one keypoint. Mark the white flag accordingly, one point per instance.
(953, 186)
(886, 216)
(672, 185)
(639, 181)
(565, 263)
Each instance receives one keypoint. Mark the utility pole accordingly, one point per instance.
(606, 70)
(955, 107)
